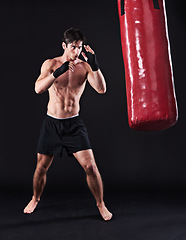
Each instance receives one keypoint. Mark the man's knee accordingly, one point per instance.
(87, 161)
(41, 170)
(90, 168)
(43, 164)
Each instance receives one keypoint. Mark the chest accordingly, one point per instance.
(71, 79)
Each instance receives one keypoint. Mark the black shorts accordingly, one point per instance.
(57, 134)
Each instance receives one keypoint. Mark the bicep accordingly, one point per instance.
(46, 69)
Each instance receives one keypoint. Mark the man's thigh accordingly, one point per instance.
(85, 157)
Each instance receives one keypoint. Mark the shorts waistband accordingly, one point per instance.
(63, 118)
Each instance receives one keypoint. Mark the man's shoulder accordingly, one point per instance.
(49, 63)
(83, 64)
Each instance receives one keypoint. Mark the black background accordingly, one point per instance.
(31, 32)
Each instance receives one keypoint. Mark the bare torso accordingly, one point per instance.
(65, 92)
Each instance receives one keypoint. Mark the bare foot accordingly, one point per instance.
(106, 215)
(31, 206)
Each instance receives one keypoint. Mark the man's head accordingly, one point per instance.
(73, 40)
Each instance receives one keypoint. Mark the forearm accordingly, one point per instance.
(95, 76)
(99, 81)
(44, 84)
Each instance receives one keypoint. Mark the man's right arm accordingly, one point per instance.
(46, 77)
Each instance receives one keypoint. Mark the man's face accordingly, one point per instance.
(73, 49)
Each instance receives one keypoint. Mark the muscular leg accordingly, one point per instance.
(39, 180)
(87, 161)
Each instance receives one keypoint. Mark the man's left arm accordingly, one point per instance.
(94, 76)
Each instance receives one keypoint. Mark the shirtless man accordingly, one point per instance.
(65, 78)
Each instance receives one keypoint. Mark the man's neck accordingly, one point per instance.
(64, 58)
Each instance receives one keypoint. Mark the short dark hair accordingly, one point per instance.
(71, 35)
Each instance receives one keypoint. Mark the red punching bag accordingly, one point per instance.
(151, 100)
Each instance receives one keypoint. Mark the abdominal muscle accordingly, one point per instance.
(62, 109)
(63, 103)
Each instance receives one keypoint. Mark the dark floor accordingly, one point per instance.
(156, 215)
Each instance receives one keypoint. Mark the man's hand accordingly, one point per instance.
(71, 66)
(90, 58)
(64, 67)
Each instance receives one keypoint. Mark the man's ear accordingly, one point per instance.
(64, 45)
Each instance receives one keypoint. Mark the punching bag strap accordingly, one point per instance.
(156, 4)
(122, 7)
(122, 2)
